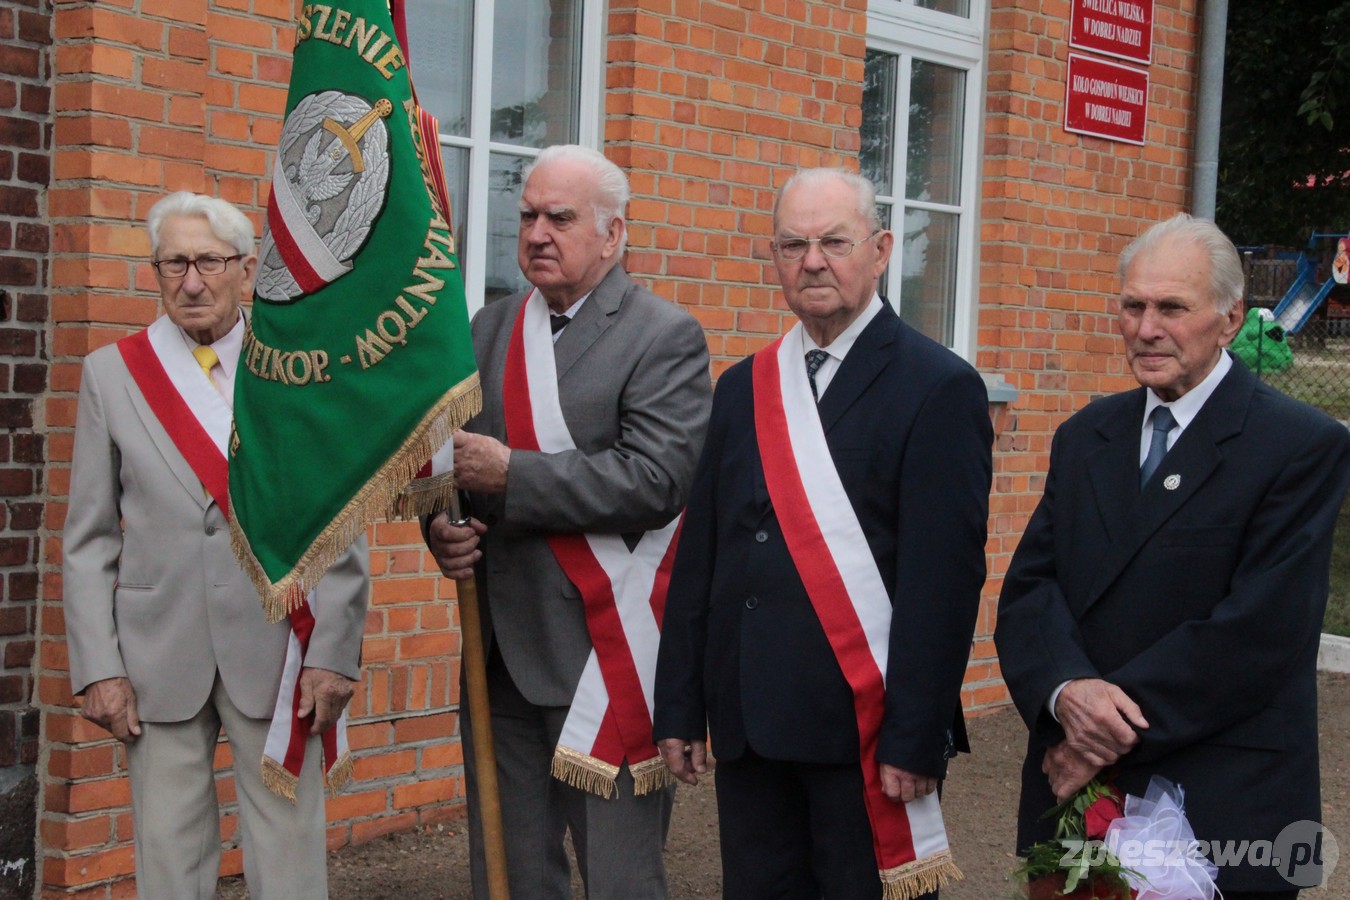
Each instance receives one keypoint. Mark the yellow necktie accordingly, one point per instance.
(206, 358)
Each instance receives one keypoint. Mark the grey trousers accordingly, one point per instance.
(618, 842)
(177, 819)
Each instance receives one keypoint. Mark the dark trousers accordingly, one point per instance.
(1260, 895)
(795, 831)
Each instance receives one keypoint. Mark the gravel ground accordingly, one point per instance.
(980, 799)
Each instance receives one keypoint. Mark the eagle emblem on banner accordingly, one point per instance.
(328, 188)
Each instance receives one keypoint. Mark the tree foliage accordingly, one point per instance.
(1284, 155)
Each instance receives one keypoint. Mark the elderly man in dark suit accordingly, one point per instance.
(1162, 612)
(595, 401)
(828, 577)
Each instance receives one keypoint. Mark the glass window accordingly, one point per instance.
(955, 7)
(918, 147)
(497, 107)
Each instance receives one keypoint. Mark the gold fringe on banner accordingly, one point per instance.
(914, 879)
(277, 780)
(650, 775)
(380, 498)
(340, 774)
(584, 772)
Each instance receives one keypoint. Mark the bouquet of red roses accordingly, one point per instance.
(1076, 863)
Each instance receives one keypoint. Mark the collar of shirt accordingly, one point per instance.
(840, 346)
(227, 351)
(571, 313)
(1185, 408)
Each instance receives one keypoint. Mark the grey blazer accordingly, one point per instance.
(152, 591)
(635, 391)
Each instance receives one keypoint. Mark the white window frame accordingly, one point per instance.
(910, 32)
(591, 85)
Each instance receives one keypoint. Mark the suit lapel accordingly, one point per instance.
(866, 359)
(164, 444)
(1190, 463)
(592, 320)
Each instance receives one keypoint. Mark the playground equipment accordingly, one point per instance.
(1305, 295)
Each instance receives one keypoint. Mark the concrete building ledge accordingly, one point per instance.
(1334, 654)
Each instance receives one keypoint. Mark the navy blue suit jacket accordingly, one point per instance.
(907, 424)
(1203, 602)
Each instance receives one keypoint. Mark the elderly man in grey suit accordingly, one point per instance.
(167, 637)
(577, 469)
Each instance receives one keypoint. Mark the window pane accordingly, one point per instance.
(876, 159)
(955, 7)
(505, 180)
(456, 163)
(936, 98)
(536, 61)
(928, 273)
(440, 49)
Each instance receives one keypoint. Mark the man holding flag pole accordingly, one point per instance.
(595, 399)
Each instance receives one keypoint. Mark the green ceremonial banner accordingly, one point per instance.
(357, 362)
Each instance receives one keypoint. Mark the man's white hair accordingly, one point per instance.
(225, 219)
(1227, 286)
(862, 189)
(611, 184)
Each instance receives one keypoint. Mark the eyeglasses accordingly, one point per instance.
(205, 265)
(835, 246)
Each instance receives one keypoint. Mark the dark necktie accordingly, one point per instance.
(814, 360)
(557, 322)
(1163, 422)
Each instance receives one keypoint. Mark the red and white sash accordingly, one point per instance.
(610, 719)
(197, 420)
(831, 554)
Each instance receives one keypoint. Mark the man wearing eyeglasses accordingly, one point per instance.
(168, 641)
(828, 576)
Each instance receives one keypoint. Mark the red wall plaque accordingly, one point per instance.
(1121, 28)
(1106, 99)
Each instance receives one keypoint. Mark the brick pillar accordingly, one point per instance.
(25, 164)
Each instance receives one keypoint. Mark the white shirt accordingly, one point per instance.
(1184, 408)
(840, 346)
(227, 350)
(571, 313)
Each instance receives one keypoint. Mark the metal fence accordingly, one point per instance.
(1320, 373)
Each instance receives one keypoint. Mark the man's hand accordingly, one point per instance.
(903, 787)
(1067, 770)
(324, 693)
(111, 704)
(480, 463)
(455, 547)
(1097, 717)
(686, 759)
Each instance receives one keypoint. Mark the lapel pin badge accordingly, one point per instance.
(1172, 482)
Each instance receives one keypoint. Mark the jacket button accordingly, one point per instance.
(751, 602)
(761, 536)
(210, 530)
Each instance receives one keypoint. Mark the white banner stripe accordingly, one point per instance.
(202, 399)
(829, 501)
(315, 251)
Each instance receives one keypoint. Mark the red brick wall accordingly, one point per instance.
(25, 164)
(1058, 209)
(709, 106)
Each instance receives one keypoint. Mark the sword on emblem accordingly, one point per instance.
(348, 138)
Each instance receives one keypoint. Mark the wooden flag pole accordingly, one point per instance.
(485, 756)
